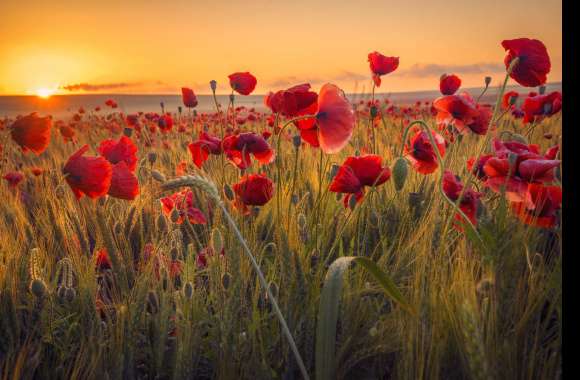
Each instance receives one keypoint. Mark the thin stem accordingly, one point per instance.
(264, 284)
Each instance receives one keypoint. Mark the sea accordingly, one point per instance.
(61, 106)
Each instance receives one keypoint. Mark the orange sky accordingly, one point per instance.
(155, 46)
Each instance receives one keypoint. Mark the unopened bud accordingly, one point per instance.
(301, 221)
(296, 141)
(374, 111)
(174, 215)
(128, 132)
(38, 288)
(226, 280)
(217, 240)
(152, 302)
(400, 172)
(151, 157)
(487, 81)
(70, 294)
(162, 224)
(519, 138)
(188, 290)
(213, 85)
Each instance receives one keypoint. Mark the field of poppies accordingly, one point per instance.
(324, 238)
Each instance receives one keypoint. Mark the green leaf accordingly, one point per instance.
(329, 307)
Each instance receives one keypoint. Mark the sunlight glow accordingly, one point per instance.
(44, 93)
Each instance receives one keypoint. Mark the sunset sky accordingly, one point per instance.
(152, 46)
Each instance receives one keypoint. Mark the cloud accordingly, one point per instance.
(422, 70)
(98, 87)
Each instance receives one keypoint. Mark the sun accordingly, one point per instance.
(44, 93)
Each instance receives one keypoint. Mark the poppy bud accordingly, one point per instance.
(226, 280)
(513, 100)
(229, 193)
(38, 288)
(179, 109)
(128, 132)
(487, 81)
(217, 240)
(174, 215)
(158, 176)
(59, 192)
(188, 290)
(70, 294)
(174, 253)
(352, 202)
(152, 302)
(542, 90)
(294, 199)
(374, 111)
(357, 153)
(400, 172)
(296, 141)
(151, 157)
(162, 107)
(213, 85)
(162, 224)
(118, 228)
(519, 138)
(373, 331)
(512, 159)
(301, 221)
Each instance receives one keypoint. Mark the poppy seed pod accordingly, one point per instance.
(188, 290)
(374, 111)
(174, 253)
(128, 132)
(158, 176)
(400, 172)
(38, 288)
(513, 100)
(357, 153)
(61, 292)
(213, 85)
(487, 81)
(217, 240)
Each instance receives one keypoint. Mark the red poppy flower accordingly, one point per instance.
(189, 98)
(293, 101)
(541, 207)
(449, 84)
(358, 172)
(480, 123)
(507, 99)
(243, 83)
(165, 123)
(335, 119)
(452, 187)
(253, 190)
(32, 133)
(13, 178)
(537, 107)
(239, 147)
(124, 184)
(90, 176)
(421, 154)
(36, 171)
(456, 110)
(381, 65)
(183, 202)
(117, 151)
(111, 103)
(514, 166)
(181, 168)
(67, 133)
(534, 62)
(477, 170)
(203, 147)
(103, 262)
